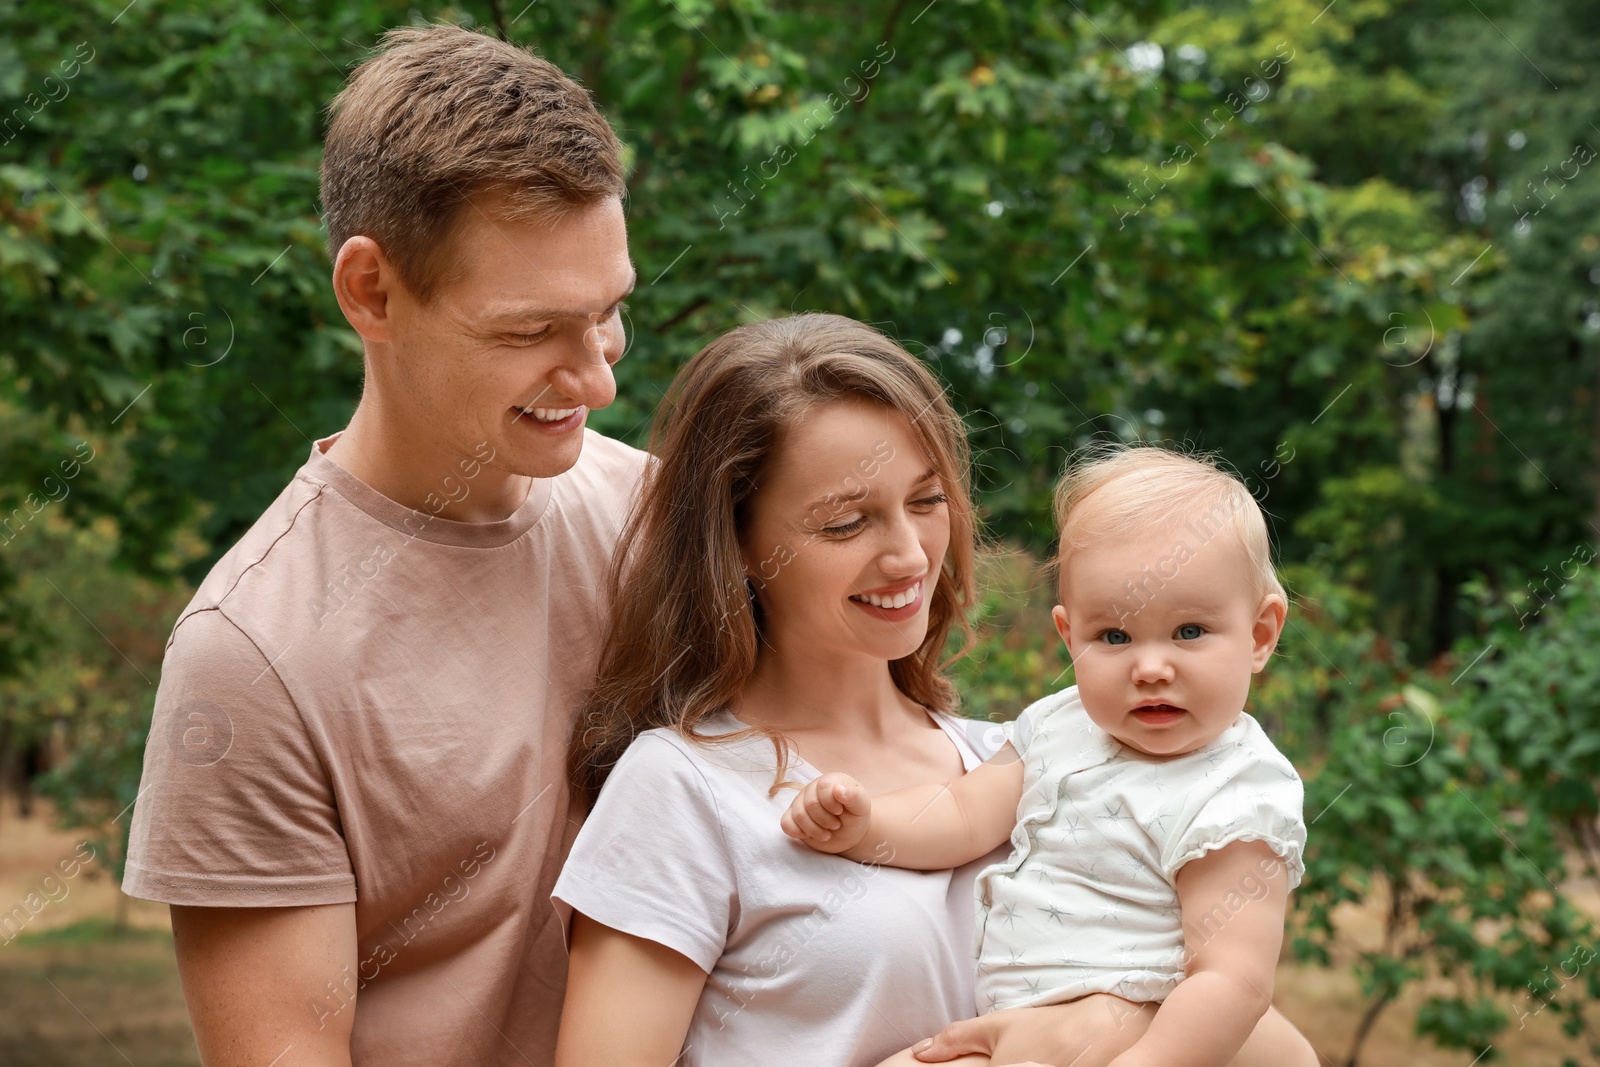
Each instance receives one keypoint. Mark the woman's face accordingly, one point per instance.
(846, 535)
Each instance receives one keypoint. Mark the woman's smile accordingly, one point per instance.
(894, 603)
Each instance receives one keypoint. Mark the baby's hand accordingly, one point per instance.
(831, 814)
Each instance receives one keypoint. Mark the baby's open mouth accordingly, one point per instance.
(1158, 713)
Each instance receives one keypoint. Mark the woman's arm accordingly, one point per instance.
(1233, 904)
(925, 827)
(612, 977)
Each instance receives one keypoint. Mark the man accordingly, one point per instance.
(354, 795)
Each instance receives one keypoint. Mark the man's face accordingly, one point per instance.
(517, 345)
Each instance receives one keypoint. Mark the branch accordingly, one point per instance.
(689, 309)
(886, 37)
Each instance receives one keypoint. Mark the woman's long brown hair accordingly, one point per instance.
(684, 636)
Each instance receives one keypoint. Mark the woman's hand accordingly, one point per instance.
(1088, 1032)
(831, 814)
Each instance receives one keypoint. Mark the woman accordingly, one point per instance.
(798, 558)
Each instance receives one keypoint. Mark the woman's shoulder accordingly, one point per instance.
(668, 754)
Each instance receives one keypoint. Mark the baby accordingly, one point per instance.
(1155, 830)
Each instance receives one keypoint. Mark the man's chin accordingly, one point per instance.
(551, 462)
(537, 450)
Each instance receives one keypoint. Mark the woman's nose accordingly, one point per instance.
(902, 553)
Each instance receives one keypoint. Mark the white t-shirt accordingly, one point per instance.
(1087, 901)
(810, 958)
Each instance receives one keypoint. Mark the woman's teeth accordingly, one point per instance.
(898, 600)
(548, 414)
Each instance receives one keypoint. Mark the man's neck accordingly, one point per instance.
(417, 471)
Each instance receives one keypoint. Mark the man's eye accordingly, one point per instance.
(528, 338)
(1115, 637)
(1190, 630)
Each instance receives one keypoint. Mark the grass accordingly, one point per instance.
(91, 994)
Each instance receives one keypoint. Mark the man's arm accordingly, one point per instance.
(925, 828)
(257, 983)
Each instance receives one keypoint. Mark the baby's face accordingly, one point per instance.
(1165, 630)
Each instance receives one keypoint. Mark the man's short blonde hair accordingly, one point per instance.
(442, 115)
(1119, 490)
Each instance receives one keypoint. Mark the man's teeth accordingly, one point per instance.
(548, 414)
(898, 600)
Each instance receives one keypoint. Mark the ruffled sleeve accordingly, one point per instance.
(1251, 794)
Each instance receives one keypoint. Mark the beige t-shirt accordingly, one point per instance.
(372, 704)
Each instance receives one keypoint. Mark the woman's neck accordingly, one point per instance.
(799, 694)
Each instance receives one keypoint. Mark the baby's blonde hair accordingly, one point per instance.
(1116, 490)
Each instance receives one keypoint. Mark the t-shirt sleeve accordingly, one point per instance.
(1252, 796)
(651, 859)
(234, 806)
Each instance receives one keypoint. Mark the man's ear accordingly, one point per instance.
(364, 281)
(1266, 630)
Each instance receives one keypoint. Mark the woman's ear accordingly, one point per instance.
(1267, 629)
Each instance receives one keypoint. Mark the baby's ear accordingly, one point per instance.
(1268, 628)
(1058, 615)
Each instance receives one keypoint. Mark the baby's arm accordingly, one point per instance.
(925, 827)
(1233, 903)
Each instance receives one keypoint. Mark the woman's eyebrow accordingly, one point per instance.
(863, 491)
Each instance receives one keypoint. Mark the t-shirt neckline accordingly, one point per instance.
(970, 756)
(421, 524)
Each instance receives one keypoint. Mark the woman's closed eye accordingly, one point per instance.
(932, 500)
(843, 528)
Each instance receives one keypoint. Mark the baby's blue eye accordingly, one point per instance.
(1116, 637)
(1189, 631)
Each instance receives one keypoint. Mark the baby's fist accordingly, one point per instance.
(831, 814)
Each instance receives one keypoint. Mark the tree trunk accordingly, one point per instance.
(1368, 1018)
(1594, 521)
(1442, 631)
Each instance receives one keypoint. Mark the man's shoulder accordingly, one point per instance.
(606, 465)
(591, 500)
(272, 534)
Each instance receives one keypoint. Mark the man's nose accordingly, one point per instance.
(586, 376)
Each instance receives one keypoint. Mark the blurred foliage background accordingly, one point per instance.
(1353, 248)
